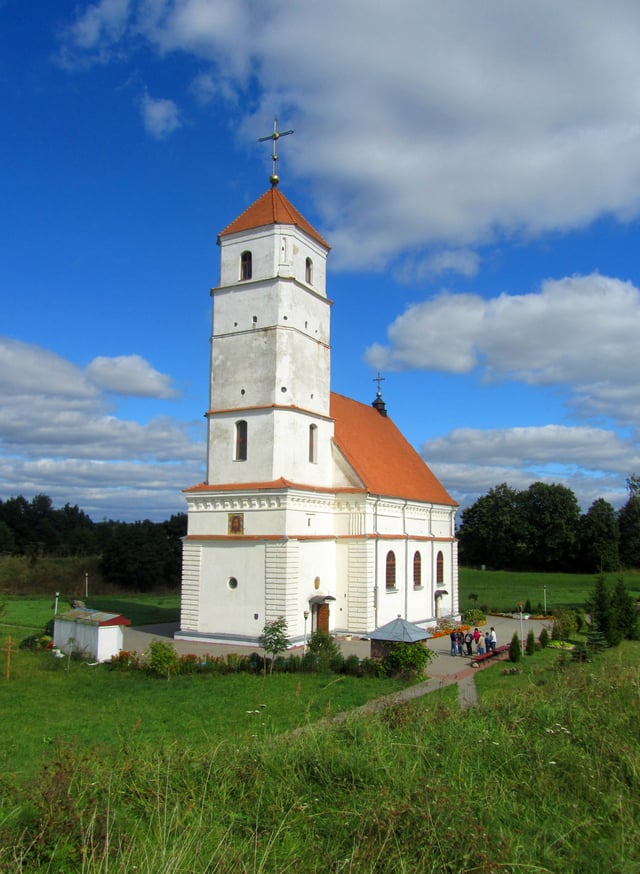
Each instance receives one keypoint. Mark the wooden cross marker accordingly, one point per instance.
(7, 649)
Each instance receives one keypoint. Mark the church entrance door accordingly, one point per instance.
(323, 618)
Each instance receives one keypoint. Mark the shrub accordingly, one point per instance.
(565, 623)
(474, 617)
(531, 642)
(544, 638)
(515, 650)
(161, 658)
(406, 660)
(352, 666)
(321, 651)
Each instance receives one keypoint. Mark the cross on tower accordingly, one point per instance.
(378, 379)
(275, 136)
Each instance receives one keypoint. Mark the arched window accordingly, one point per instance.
(241, 441)
(313, 444)
(245, 265)
(417, 570)
(391, 570)
(308, 271)
(440, 569)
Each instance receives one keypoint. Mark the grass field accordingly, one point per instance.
(502, 590)
(130, 773)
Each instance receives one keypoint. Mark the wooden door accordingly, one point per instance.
(323, 618)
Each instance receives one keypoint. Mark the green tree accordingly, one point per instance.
(633, 485)
(549, 516)
(530, 645)
(629, 524)
(603, 616)
(140, 556)
(599, 538)
(8, 544)
(274, 640)
(490, 529)
(515, 650)
(625, 614)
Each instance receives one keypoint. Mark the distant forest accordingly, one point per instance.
(542, 529)
(139, 556)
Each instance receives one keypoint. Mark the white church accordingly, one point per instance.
(314, 507)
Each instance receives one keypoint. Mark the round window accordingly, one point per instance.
(233, 583)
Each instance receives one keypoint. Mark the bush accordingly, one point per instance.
(352, 666)
(565, 623)
(474, 617)
(544, 638)
(407, 660)
(531, 643)
(322, 650)
(161, 659)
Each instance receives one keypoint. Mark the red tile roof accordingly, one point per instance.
(272, 208)
(384, 460)
(381, 457)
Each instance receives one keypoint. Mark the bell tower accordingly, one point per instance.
(270, 352)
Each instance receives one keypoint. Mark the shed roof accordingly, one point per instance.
(94, 617)
(400, 631)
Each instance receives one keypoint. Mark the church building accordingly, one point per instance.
(314, 506)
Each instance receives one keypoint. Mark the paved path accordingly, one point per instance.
(444, 669)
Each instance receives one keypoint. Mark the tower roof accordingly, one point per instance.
(382, 457)
(272, 208)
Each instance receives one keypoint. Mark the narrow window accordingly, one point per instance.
(417, 570)
(313, 444)
(308, 271)
(440, 569)
(241, 441)
(391, 570)
(245, 265)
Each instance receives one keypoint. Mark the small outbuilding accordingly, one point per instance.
(396, 631)
(91, 633)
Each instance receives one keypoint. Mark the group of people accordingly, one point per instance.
(463, 642)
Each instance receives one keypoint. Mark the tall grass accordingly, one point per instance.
(544, 779)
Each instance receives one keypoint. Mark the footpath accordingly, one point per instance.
(443, 670)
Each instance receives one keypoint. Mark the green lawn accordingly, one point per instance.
(502, 590)
(33, 612)
(97, 708)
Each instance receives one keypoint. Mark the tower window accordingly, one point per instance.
(313, 444)
(246, 269)
(391, 570)
(417, 570)
(241, 441)
(308, 271)
(440, 569)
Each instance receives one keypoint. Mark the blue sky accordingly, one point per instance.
(474, 166)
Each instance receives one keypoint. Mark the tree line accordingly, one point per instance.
(542, 529)
(140, 556)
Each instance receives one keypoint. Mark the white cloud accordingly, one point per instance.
(160, 116)
(57, 436)
(422, 123)
(580, 332)
(593, 462)
(130, 375)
